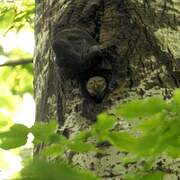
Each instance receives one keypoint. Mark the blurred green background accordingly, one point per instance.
(16, 77)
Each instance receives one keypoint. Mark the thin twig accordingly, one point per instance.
(17, 62)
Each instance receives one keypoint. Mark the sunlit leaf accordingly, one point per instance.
(57, 144)
(82, 136)
(147, 145)
(55, 138)
(157, 175)
(173, 151)
(53, 150)
(1, 50)
(5, 121)
(17, 15)
(141, 108)
(104, 123)
(40, 170)
(6, 17)
(78, 143)
(176, 97)
(15, 137)
(5, 101)
(79, 146)
(151, 123)
(16, 54)
(122, 140)
(3, 162)
(43, 131)
(17, 80)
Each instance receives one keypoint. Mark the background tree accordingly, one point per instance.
(139, 57)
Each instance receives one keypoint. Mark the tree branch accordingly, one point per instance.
(16, 63)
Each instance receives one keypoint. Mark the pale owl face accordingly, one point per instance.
(96, 86)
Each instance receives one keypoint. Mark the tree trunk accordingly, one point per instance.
(137, 42)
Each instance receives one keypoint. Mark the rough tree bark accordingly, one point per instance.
(140, 39)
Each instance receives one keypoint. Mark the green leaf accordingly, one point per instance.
(58, 138)
(173, 152)
(175, 142)
(151, 124)
(79, 146)
(18, 81)
(123, 140)
(54, 150)
(79, 142)
(2, 50)
(157, 175)
(104, 123)
(176, 97)
(58, 170)
(57, 146)
(17, 53)
(6, 17)
(5, 121)
(146, 145)
(15, 137)
(6, 102)
(141, 108)
(43, 131)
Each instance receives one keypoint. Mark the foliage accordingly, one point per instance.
(15, 81)
(15, 15)
(18, 80)
(155, 132)
(41, 169)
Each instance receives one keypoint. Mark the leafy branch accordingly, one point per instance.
(155, 132)
(17, 15)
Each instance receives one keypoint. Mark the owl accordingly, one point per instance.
(96, 87)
